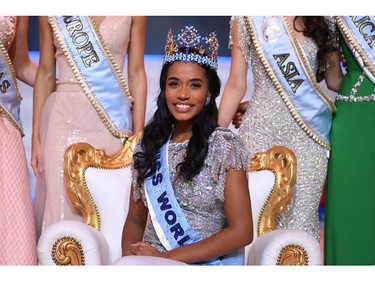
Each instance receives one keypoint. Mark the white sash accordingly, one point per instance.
(290, 72)
(97, 72)
(359, 33)
(10, 98)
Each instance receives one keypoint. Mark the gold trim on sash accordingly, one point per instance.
(347, 34)
(305, 127)
(3, 111)
(85, 89)
(118, 71)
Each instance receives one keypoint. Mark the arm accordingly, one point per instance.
(238, 233)
(333, 74)
(134, 225)
(236, 85)
(136, 72)
(44, 85)
(19, 53)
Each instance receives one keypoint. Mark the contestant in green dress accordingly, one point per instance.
(350, 201)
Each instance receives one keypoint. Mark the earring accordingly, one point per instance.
(207, 100)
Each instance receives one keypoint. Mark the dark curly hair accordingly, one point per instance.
(319, 29)
(158, 130)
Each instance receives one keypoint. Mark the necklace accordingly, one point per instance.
(352, 97)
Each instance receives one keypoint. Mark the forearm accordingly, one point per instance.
(27, 72)
(44, 86)
(138, 89)
(231, 99)
(19, 53)
(45, 79)
(218, 245)
(132, 233)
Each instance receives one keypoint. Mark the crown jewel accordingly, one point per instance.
(206, 49)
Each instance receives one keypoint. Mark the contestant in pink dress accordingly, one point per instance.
(63, 114)
(17, 222)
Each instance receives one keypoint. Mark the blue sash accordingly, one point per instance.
(359, 33)
(97, 72)
(10, 98)
(167, 216)
(289, 70)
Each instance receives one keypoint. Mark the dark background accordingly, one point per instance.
(158, 27)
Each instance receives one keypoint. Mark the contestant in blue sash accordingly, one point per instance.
(80, 95)
(288, 57)
(17, 234)
(191, 201)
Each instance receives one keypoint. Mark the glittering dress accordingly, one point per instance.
(349, 221)
(17, 223)
(201, 200)
(68, 117)
(268, 122)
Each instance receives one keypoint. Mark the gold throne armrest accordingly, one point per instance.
(77, 158)
(282, 162)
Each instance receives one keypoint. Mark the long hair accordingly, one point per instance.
(158, 130)
(318, 28)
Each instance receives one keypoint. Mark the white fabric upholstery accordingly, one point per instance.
(260, 185)
(146, 260)
(266, 249)
(110, 190)
(93, 243)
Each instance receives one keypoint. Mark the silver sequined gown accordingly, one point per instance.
(268, 122)
(202, 200)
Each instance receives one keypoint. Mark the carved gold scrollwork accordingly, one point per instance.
(293, 255)
(79, 157)
(67, 251)
(283, 163)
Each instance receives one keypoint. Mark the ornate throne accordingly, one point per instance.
(97, 185)
(272, 176)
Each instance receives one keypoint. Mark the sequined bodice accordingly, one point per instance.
(202, 199)
(7, 30)
(268, 122)
(116, 35)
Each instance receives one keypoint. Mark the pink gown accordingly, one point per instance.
(68, 117)
(17, 222)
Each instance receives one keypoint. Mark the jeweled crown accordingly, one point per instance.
(205, 49)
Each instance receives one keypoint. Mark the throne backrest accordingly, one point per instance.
(98, 185)
(272, 176)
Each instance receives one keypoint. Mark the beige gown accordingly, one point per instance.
(68, 117)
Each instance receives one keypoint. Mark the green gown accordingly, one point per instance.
(350, 199)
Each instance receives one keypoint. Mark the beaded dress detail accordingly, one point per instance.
(202, 199)
(268, 122)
